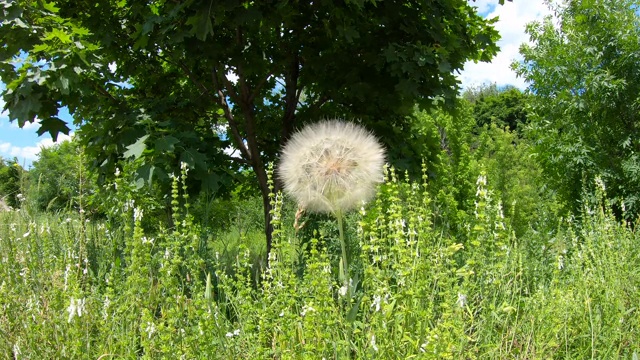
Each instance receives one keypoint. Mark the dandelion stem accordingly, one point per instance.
(344, 274)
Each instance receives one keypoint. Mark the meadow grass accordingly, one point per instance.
(72, 288)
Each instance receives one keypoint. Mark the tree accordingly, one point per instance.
(584, 73)
(500, 106)
(175, 82)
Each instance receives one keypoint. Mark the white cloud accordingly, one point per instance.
(484, 6)
(27, 125)
(27, 154)
(511, 24)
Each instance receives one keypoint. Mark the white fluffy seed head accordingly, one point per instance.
(332, 166)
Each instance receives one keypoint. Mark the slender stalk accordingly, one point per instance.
(344, 274)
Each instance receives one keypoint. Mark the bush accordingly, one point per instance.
(60, 178)
(12, 182)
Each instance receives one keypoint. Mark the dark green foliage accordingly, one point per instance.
(507, 108)
(585, 76)
(12, 177)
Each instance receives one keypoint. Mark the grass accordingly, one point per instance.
(87, 290)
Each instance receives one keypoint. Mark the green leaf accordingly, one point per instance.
(26, 108)
(211, 182)
(63, 85)
(136, 149)
(201, 25)
(49, 6)
(58, 34)
(444, 67)
(194, 159)
(353, 312)
(145, 174)
(166, 144)
(53, 126)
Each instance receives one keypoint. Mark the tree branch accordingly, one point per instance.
(229, 116)
(292, 97)
(259, 87)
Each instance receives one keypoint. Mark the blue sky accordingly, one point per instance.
(24, 144)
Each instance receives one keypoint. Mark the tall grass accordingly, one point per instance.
(70, 288)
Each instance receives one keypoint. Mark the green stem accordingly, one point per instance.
(345, 266)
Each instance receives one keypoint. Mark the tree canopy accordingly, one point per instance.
(504, 106)
(172, 82)
(584, 71)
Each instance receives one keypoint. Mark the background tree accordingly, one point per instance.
(60, 179)
(175, 82)
(584, 71)
(504, 107)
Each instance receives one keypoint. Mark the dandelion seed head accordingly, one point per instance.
(332, 166)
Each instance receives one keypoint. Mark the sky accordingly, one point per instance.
(24, 143)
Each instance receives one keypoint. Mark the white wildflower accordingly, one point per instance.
(16, 351)
(76, 307)
(343, 290)
(462, 300)
(105, 307)
(482, 180)
(373, 343)
(129, 204)
(150, 329)
(137, 214)
(600, 184)
(377, 299)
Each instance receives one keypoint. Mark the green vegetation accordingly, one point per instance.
(61, 178)
(584, 74)
(171, 82)
(78, 289)
(11, 182)
(505, 227)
